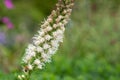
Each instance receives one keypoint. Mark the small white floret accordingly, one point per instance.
(30, 67)
(39, 49)
(37, 62)
(46, 46)
(48, 37)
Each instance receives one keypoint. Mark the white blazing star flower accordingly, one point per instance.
(48, 38)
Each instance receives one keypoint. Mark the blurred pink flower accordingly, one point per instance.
(8, 4)
(7, 21)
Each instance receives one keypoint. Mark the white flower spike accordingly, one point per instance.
(46, 42)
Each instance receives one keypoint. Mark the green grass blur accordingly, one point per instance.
(91, 46)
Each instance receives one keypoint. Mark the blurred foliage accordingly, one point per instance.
(91, 47)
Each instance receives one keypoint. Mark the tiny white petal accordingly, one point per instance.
(69, 10)
(23, 76)
(65, 22)
(48, 37)
(54, 43)
(64, 12)
(49, 20)
(41, 33)
(39, 49)
(61, 24)
(48, 28)
(31, 47)
(19, 77)
(37, 62)
(39, 66)
(46, 46)
(55, 26)
(62, 28)
(30, 67)
(54, 13)
(46, 57)
(46, 23)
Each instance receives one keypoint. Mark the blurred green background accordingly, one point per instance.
(91, 47)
